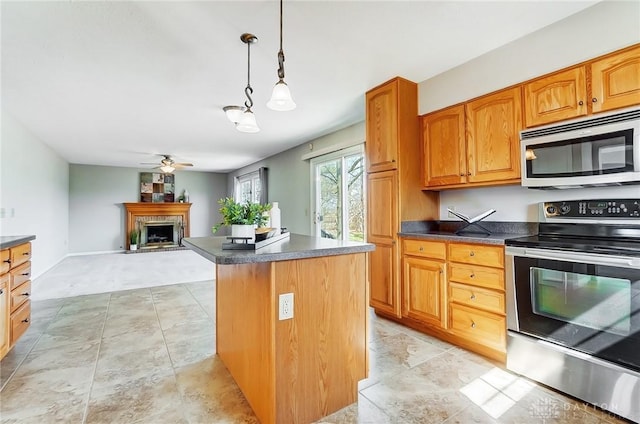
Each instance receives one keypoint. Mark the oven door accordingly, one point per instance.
(586, 302)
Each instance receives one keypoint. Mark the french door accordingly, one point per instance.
(338, 195)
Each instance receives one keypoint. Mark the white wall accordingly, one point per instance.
(34, 184)
(605, 27)
(97, 194)
(289, 176)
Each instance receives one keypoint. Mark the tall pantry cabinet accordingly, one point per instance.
(394, 185)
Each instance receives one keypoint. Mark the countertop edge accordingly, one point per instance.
(232, 257)
(496, 239)
(7, 242)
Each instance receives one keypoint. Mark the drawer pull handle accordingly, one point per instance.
(26, 253)
(1, 291)
(26, 274)
(472, 253)
(25, 320)
(580, 103)
(472, 275)
(421, 249)
(594, 100)
(25, 294)
(7, 261)
(473, 297)
(441, 271)
(473, 324)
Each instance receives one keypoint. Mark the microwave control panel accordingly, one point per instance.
(599, 208)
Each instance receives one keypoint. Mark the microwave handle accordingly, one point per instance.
(588, 258)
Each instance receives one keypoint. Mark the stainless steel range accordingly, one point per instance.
(573, 302)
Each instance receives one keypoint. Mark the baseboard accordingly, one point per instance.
(101, 252)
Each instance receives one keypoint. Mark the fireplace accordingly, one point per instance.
(161, 225)
(159, 233)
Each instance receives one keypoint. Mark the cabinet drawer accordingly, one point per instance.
(428, 249)
(479, 326)
(20, 274)
(20, 321)
(5, 260)
(20, 254)
(477, 254)
(477, 298)
(492, 278)
(20, 294)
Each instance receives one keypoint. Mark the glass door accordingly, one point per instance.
(338, 195)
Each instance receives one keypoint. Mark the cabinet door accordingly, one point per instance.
(616, 81)
(556, 97)
(444, 156)
(493, 142)
(424, 290)
(382, 207)
(384, 289)
(382, 128)
(4, 314)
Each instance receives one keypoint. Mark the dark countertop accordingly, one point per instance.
(445, 231)
(296, 247)
(11, 241)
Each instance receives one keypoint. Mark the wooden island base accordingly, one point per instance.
(301, 369)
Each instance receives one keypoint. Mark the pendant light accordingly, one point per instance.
(281, 97)
(247, 121)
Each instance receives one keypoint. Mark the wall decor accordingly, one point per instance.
(156, 187)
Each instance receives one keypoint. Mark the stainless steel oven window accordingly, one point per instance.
(601, 303)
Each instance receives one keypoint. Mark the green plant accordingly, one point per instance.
(133, 236)
(247, 213)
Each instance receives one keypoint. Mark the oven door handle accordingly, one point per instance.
(589, 258)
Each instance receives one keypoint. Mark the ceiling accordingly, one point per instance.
(118, 83)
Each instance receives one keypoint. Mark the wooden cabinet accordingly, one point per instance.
(445, 161)
(476, 297)
(615, 80)
(4, 314)
(603, 84)
(474, 144)
(456, 292)
(394, 188)
(15, 284)
(424, 282)
(382, 126)
(556, 97)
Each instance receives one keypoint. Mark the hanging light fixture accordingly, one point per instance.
(247, 121)
(281, 97)
(167, 169)
(233, 113)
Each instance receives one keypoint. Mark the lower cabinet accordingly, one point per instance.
(455, 291)
(15, 291)
(384, 291)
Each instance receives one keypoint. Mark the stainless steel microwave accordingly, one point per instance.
(597, 151)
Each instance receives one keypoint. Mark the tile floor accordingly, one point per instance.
(148, 356)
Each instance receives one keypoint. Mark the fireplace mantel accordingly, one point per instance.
(139, 209)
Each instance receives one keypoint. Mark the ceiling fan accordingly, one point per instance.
(168, 165)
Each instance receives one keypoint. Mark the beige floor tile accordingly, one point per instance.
(210, 395)
(170, 316)
(142, 398)
(361, 412)
(181, 331)
(192, 350)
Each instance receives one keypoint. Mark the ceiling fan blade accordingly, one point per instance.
(183, 164)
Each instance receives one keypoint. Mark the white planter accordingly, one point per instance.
(133, 247)
(244, 231)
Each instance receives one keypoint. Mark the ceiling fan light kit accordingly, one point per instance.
(167, 165)
(281, 100)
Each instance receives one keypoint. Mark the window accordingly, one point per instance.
(248, 188)
(338, 202)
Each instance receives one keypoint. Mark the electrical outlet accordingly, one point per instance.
(285, 309)
(449, 214)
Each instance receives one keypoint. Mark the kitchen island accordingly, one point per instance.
(301, 369)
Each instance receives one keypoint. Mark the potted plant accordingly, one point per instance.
(243, 218)
(133, 239)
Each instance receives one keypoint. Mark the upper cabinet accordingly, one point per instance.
(616, 80)
(607, 83)
(474, 144)
(556, 97)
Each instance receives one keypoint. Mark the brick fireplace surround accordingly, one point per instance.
(134, 211)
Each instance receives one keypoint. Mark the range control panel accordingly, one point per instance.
(599, 208)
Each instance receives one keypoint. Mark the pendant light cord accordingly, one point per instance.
(248, 91)
(281, 53)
